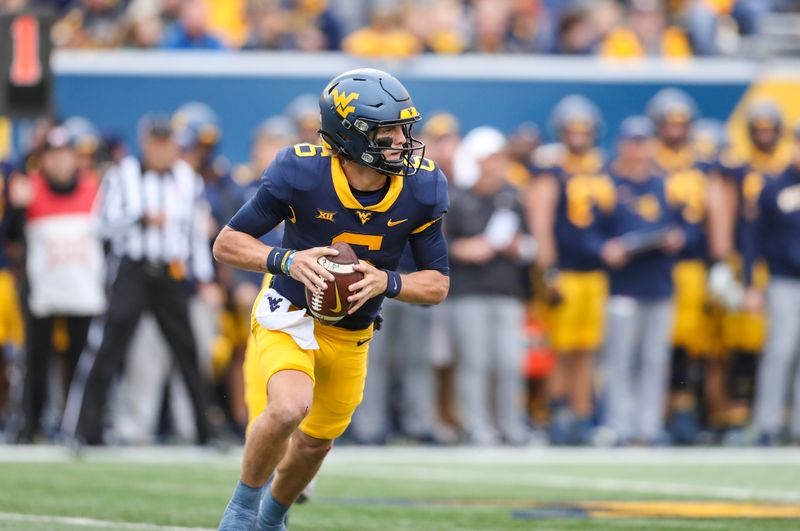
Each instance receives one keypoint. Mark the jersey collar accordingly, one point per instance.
(347, 198)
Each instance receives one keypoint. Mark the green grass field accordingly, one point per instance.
(45, 488)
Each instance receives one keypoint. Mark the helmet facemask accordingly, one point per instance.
(374, 156)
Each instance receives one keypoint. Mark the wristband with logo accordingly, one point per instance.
(393, 284)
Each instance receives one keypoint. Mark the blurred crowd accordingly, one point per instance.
(645, 296)
(379, 28)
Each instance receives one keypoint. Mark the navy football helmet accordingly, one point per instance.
(354, 105)
(575, 111)
(196, 123)
(764, 113)
(671, 104)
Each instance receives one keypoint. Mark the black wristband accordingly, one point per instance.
(393, 284)
(275, 260)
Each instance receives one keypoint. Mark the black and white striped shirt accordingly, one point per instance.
(130, 193)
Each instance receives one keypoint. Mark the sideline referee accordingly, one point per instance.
(154, 212)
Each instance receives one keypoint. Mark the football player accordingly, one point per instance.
(12, 331)
(565, 194)
(672, 111)
(366, 186)
(776, 238)
(741, 179)
(708, 139)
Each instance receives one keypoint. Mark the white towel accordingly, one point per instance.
(273, 313)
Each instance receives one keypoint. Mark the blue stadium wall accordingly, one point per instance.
(115, 89)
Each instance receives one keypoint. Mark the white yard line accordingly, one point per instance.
(564, 482)
(567, 456)
(77, 521)
(421, 455)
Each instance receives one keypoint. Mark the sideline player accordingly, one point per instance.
(356, 189)
(742, 179)
(672, 112)
(566, 194)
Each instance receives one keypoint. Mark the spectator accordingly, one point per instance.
(531, 28)
(268, 23)
(228, 20)
(90, 24)
(151, 276)
(384, 37)
(638, 242)
(64, 264)
(313, 26)
(646, 34)
(489, 252)
(144, 27)
(490, 25)
(438, 24)
(190, 31)
(576, 32)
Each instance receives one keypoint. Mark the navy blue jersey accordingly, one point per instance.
(5, 172)
(307, 188)
(642, 207)
(749, 175)
(776, 234)
(583, 188)
(687, 189)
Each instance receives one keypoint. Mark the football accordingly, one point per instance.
(330, 305)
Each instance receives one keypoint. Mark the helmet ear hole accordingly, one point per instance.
(343, 136)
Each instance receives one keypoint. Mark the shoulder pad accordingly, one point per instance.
(429, 187)
(300, 167)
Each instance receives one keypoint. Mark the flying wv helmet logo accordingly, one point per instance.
(341, 100)
(409, 112)
(364, 216)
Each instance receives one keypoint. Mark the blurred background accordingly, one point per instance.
(536, 91)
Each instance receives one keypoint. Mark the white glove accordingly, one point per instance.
(724, 287)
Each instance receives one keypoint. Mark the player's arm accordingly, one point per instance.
(541, 209)
(237, 244)
(722, 208)
(754, 234)
(429, 285)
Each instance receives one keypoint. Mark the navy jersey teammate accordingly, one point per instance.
(368, 187)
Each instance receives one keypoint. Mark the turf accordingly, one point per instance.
(389, 489)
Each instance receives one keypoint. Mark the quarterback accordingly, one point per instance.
(367, 185)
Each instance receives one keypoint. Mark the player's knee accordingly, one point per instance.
(286, 415)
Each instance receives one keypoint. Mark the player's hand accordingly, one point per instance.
(373, 284)
(20, 191)
(615, 253)
(154, 220)
(211, 294)
(753, 300)
(476, 250)
(674, 241)
(552, 287)
(305, 268)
